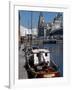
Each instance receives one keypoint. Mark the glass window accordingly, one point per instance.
(45, 54)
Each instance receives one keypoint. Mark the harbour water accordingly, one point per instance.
(56, 54)
(56, 51)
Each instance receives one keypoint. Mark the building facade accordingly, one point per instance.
(45, 29)
(41, 25)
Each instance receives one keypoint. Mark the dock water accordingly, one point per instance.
(56, 51)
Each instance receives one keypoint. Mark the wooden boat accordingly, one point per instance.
(39, 65)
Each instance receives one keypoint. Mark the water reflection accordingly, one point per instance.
(56, 54)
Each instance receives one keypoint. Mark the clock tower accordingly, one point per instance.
(41, 25)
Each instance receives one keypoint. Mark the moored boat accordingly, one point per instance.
(39, 65)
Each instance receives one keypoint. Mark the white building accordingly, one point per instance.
(24, 31)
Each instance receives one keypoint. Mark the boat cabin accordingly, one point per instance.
(39, 64)
(41, 56)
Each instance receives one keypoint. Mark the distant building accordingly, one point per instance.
(41, 25)
(44, 29)
(48, 28)
(57, 22)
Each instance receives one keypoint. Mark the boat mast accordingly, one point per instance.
(19, 24)
(19, 37)
(31, 29)
(31, 21)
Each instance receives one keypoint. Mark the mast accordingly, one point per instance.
(31, 29)
(19, 37)
(19, 24)
(31, 21)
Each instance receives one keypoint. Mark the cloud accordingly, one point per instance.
(24, 31)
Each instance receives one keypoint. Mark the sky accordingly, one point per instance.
(25, 18)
